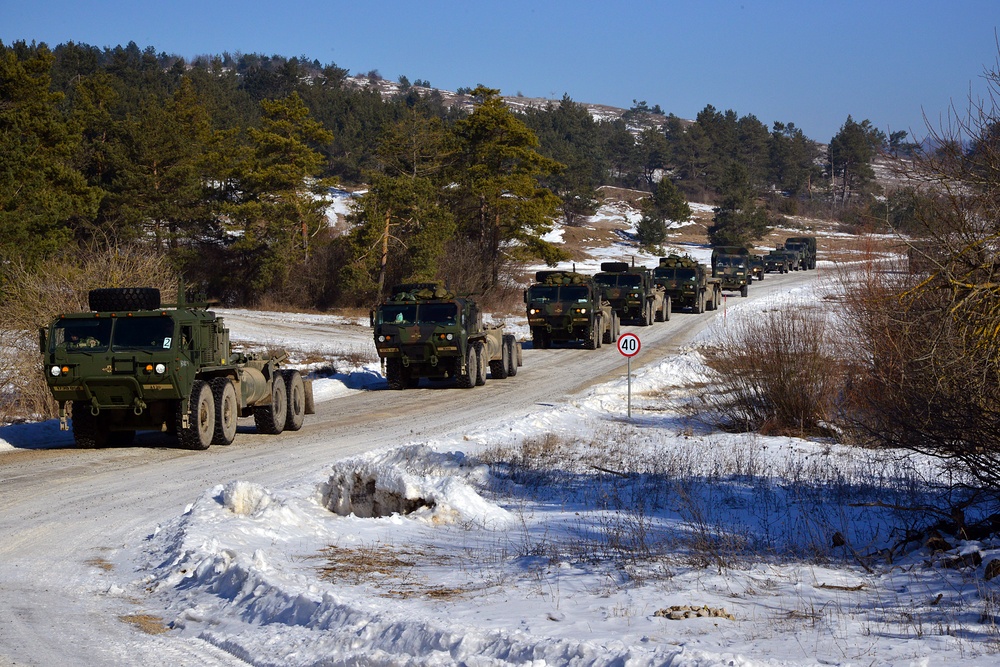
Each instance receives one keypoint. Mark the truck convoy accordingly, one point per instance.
(688, 283)
(133, 364)
(566, 306)
(425, 331)
(731, 265)
(633, 294)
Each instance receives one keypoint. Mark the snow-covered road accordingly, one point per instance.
(63, 511)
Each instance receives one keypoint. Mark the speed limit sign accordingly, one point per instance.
(628, 344)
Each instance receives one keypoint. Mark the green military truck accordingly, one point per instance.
(757, 266)
(776, 261)
(632, 293)
(793, 257)
(688, 283)
(806, 247)
(568, 307)
(731, 265)
(425, 331)
(134, 364)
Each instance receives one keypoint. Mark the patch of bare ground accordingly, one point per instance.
(151, 625)
(395, 572)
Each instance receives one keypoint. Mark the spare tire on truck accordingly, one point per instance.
(124, 298)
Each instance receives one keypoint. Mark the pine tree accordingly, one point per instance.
(666, 204)
(42, 194)
(497, 198)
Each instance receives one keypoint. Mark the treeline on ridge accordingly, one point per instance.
(221, 165)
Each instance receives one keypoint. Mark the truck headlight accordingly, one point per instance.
(160, 369)
(55, 371)
(381, 339)
(450, 336)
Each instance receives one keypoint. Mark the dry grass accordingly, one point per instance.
(397, 573)
(151, 625)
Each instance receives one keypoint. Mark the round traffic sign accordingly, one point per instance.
(628, 344)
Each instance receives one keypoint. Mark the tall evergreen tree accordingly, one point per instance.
(497, 199)
(851, 153)
(666, 204)
(42, 194)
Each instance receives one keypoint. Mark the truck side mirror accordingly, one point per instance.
(371, 318)
(526, 296)
(41, 340)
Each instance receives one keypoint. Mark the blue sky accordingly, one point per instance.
(807, 62)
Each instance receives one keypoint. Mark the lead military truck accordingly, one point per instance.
(566, 306)
(425, 331)
(688, 283)
(633, 294)
(134, 364)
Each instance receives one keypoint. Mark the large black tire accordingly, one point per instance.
(714, 303)
(668, 308)
(482, 364)
(88, 430)
(295, 390)
(227, 410)
(699, 307)
(591, 342)
(394, 373)
(744, 290)
(201, 418)
(510, 343)
(498, 369)
(467, 380)
(124, 298)
(271, 418)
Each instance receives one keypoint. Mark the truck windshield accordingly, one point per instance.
(398, 314)
(85, 335)
(575, 293)
(438, 313)
(543, 293)
(618, 280)
(143, 333)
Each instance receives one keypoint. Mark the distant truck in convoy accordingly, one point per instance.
(425, 331)
(776, 261)
(633, 294)
(806, 247)
(566, 306)
(133, 364)
(731, 265)
(688, 283)
(793, 257)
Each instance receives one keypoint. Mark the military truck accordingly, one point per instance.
(793, 257)
(134, 364)
(776, 261)
(757, 266)
(633, 294)
(688, 283)
(731, 265)
(566, 306)
(806, 247)
(425, 331)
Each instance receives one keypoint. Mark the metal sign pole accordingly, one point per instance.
(629, 387)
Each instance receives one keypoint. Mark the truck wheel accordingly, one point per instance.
(498, 369)
(482, 365)
(744, 290)
(467, 380)
(227, 410)
(295, 390)
(510, 343)
(124, 298)
(394, 373)
(668, 307)
(88, 431)
(201, 418)
(699, 307)
(271, 418)
(591, 342)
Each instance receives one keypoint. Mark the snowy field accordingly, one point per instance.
(579, 537)
(570, 535)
